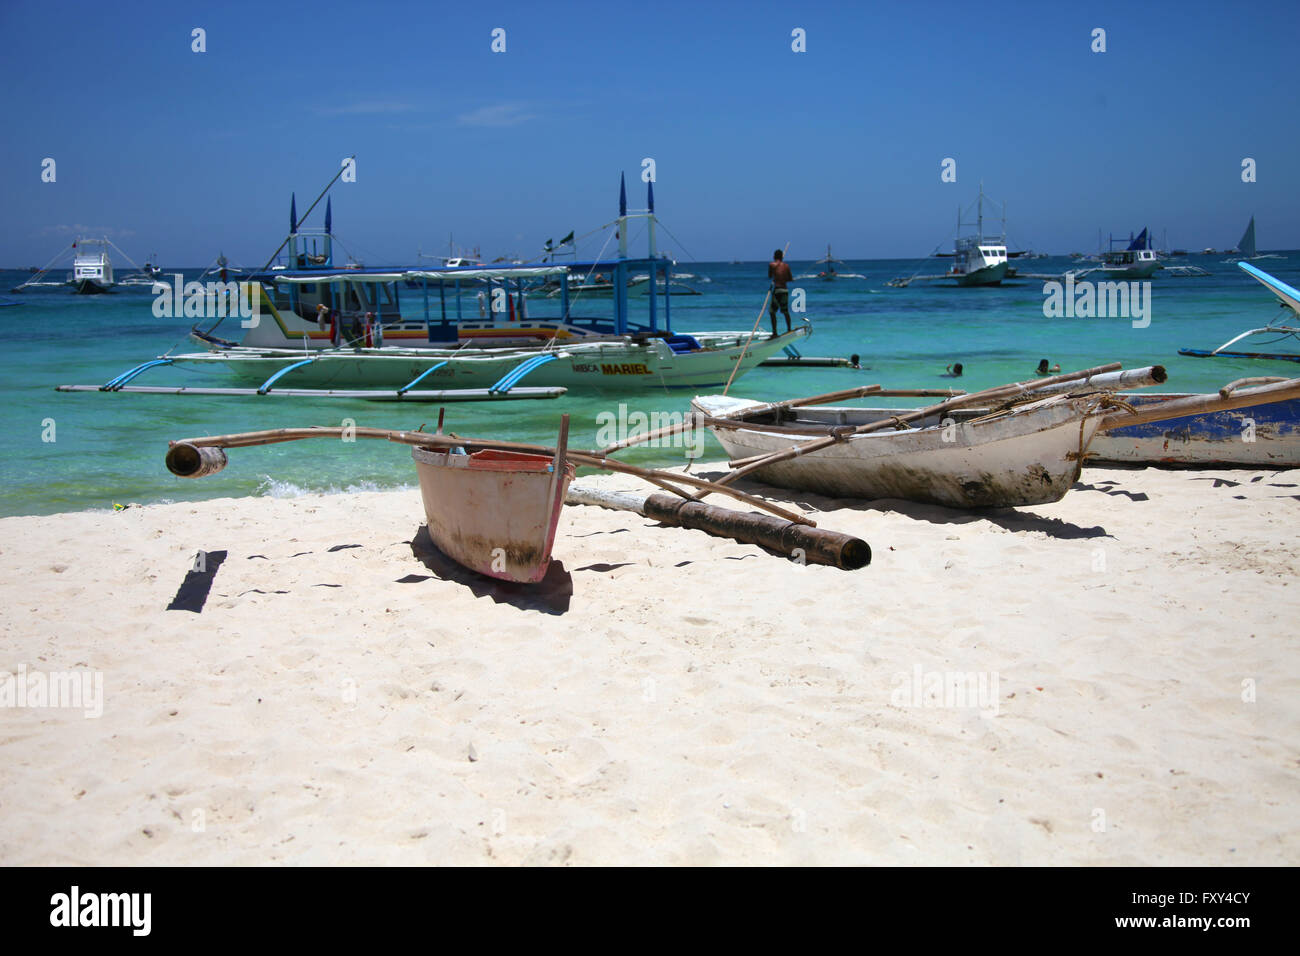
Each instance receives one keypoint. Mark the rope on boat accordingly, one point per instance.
(48, 266)
(676, 240)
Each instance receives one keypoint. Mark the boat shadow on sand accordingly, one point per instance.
(551, 595)
(1012, 519)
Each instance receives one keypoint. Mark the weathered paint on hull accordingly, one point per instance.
(1026, 458)
(1264, 436)
(492, 512)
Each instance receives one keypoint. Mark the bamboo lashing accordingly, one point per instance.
(1245, 382)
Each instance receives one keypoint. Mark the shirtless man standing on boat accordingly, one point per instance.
(779, 273)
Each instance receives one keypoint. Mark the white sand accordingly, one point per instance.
(699, 701)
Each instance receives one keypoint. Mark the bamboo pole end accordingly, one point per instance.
(189, 461)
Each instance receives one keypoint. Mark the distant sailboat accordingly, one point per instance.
(828, 273)
(1246, 247)
(829, 262)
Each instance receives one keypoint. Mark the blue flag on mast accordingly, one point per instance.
(293, 212)
(329, 219)
(622, 195)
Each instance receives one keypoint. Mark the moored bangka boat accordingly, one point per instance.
(828, 274)
(470, 327)
(1136, 261)
(977, 259)
(92, 269)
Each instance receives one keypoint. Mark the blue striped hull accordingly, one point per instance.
(1265, 436)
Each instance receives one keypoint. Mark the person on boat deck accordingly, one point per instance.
(322, 316)
(952, 371)
(779, 272)
(356, 330)
(1043, 369)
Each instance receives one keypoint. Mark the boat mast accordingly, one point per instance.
(650, 203)
(622, 216)
(293, 230)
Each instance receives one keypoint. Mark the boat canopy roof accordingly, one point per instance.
(363, 275)
(522, 271)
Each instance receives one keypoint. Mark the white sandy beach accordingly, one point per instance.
(665, 697)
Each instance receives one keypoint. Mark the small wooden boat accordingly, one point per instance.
(494, 511)
(1011, 445)
(1260, 436)
(1022, 456)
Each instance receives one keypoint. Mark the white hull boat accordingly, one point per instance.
(495, 512)
(1025, 456)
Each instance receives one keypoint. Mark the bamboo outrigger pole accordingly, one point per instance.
(1201, 404)
(200, 457)
(693, 421)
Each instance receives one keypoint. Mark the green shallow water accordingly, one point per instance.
(109, 447)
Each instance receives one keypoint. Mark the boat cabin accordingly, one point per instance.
(91, 263)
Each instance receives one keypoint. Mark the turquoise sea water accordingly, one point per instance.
(109, 447)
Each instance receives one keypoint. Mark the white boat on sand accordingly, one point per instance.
(495, 511)
(1025, 456)
(1025, 446)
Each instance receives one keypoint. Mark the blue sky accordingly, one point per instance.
(755, 145)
